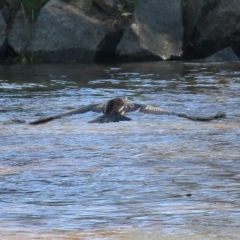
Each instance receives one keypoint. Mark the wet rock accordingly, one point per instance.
(61, 33)
(218, 30)
(225, 55)
(155, 33)
(3, 36)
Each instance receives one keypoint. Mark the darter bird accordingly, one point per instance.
(115, 110)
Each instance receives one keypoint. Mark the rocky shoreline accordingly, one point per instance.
(105, 30)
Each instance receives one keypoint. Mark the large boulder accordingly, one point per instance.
(218, 30)
(155, 33)
(3, 36)
(61, 33)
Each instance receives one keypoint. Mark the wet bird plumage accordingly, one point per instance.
(115, 109)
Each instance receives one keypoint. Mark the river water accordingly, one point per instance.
(155, 177)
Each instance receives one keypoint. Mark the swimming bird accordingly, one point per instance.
(115, 110)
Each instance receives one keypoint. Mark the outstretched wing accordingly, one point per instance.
(156, 110)
(161, 111)
(92, 107)
(131, 107)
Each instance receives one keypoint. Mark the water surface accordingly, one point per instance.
(155, 177)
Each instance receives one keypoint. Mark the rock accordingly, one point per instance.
(107, 47)
(109, 6)
(3, 37)
(61, 33)
(225, 55)
(11, 2)
(194, 12)
(20, 35)
(81, 4)
(155, 33)
(218, 30)
(5, 13)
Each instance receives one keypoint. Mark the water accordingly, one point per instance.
(155, 177)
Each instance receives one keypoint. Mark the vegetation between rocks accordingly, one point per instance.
(131, 4)
(29, 6)
(33, 5)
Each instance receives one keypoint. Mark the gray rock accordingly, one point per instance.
(61, 33)
(12, 2)
(20, 35)
(219, 29)
(3, 36)
(109, 6)
(5, 13)
(194, 13)
(225, 55)
(156, 31)
(2, 21)
(81, 3)
(68, 35)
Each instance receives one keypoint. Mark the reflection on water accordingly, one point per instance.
(155, 177)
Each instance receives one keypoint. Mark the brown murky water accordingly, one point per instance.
(155, 177)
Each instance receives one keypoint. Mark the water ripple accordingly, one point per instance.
(155, 177)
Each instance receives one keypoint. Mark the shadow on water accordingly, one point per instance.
(155, 177)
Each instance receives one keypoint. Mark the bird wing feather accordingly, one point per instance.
(162, 111)
(130, 107)
(92, 107)
(156, 110)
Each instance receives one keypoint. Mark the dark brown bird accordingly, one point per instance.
(115, 109)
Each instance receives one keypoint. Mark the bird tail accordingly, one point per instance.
(198, 118)
(110, 118)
